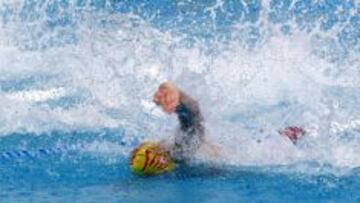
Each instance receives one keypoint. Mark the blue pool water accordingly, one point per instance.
(77, 79)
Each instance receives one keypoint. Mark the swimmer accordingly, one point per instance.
(191, 135)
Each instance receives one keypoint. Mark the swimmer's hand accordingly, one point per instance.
(211, 149)
(167, 96)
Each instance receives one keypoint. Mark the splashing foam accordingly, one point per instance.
(280, 85)
(246, 95)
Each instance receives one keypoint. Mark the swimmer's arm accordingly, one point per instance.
(212, 149)
(189, 115)
(190, 118)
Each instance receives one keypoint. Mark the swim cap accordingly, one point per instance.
(150, 159)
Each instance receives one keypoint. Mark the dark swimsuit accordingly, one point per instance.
(191, 133)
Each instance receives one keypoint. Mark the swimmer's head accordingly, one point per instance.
(167, 96)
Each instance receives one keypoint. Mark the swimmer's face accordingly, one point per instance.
(167, 96)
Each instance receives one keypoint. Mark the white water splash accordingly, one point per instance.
(107, 78)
